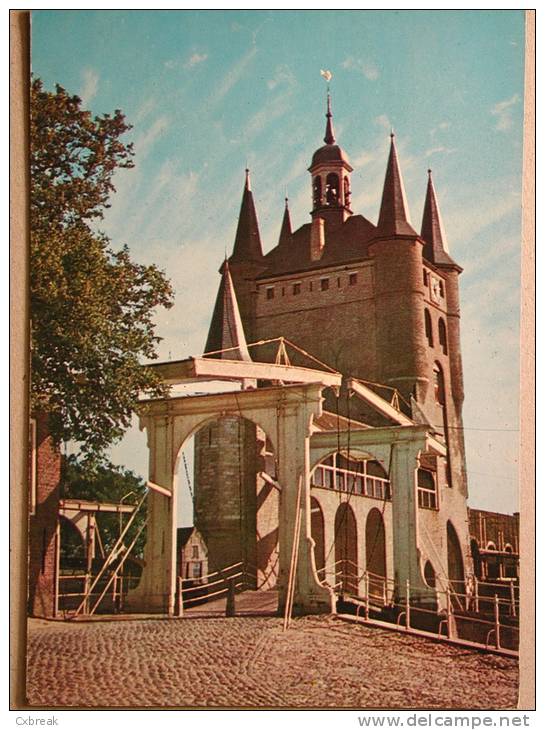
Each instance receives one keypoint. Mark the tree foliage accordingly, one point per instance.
(91, 307)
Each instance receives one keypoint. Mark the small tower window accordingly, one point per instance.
(427, 492)
(443, 335)
(352, 279)
(324, 284)
(439, 384)
(270, 292)
(428, 326)
(317, 191)
(425, 278)
(297, 288)
(429, 574)
(441, 288)
(332, 189)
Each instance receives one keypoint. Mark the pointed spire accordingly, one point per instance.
(329, 134)
(247, 240)
(432, 227)
(285, 230)
(226, 330)
(394, 212)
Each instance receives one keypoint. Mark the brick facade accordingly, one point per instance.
(45, 462)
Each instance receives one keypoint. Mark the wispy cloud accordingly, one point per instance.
(439, 128)
(439, 150)
(90, 85)
(195, 59)
(503, 110)
(283, 76)
(144, 142)
(368, 69)
(232, 76)
(144, 110)
(383, 121)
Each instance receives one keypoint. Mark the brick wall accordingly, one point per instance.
(43, 522)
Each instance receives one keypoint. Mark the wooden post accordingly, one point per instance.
(477, 602)
(180, 598)
(366, 595)
(294, 556)
(57, 568)
(408, 606)
(497, 620)
(512, 594)
(230, 605)
(449, 614)
(115, 594)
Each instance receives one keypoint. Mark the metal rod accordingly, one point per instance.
(408, 611)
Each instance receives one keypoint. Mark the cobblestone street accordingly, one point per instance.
(250, 662)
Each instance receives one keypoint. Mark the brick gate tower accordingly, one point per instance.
(376, 302)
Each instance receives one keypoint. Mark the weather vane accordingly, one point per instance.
(327, 76)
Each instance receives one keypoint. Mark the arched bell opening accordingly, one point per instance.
(332, 190)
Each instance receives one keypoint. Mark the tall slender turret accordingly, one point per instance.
(432, 232)
(247, 240)
(226, 333)
(285, 230)
(394, 212)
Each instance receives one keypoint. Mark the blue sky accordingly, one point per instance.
(210, 92)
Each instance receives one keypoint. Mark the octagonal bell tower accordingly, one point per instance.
(330, 171)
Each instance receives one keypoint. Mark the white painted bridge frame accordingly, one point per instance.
(287, 414)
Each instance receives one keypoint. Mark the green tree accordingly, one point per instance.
(92, 307)
(105, 482)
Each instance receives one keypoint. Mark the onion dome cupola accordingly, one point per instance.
(330, 171)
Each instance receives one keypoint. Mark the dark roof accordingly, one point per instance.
(432, 230)
(247, 245)
(329, 153)
(333, 422)
(226, 330)
(393, 217)
(344, 243)
(183, 534)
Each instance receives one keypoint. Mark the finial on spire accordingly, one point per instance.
(392, 133)
(247, 184)
(329, 134)
(429, 172)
